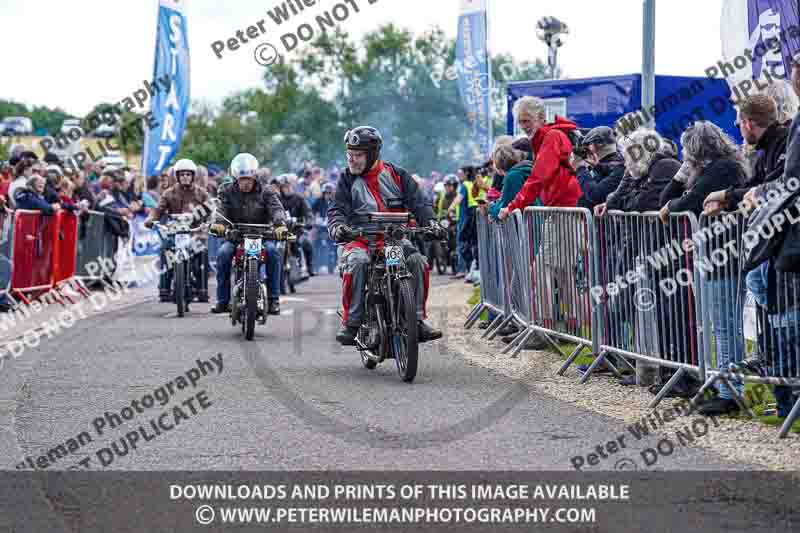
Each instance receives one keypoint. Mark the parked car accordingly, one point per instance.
(114, 158)
(16, 126)
(53, 147)
(71, 124)
(105, 130)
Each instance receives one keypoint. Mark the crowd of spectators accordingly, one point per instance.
(642, 172)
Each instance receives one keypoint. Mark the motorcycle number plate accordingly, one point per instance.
(252, 247)
(394, 255)
(182, 240)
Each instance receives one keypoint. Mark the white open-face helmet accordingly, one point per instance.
(184, 165)
(244, 166)
(439, 188)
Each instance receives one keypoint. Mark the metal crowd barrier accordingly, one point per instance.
(558, 249)
(518, 275)
(6, 244)
(628, 286)
(35, 237)
(90, 243)
(776, 349)
(493, 291)
(650, 308)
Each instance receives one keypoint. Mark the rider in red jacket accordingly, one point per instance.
(372, 185)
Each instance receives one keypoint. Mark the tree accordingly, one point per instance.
(388, 80)
(43, 118)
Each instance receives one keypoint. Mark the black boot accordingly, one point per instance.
(426, 333)
(718, 407)
(274, 307)
(347, 335)
(221, 308)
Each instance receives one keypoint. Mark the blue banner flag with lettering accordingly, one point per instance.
(759, 38)
(472, 66)
(169, 108)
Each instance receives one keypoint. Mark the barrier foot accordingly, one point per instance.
(496, 330)
(513, 343)
(787, 424)
(493, 325)
(709, 382)
(627, 363)
(56, 296)
(78, 287)
(600, 359)
(474, 315)
(64, 296)
(21, 296)
(575, 353)
(521, 338)
(555, 346)
(737, 397)
(666, 388)
(14, 302)
(521, 345)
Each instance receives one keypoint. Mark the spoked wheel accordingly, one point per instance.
(180, 286)
(251, 290)
(403, 342)
(441, 259)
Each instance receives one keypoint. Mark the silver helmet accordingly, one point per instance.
(244, 166)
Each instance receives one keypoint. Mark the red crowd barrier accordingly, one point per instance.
(43, 252)
(66, 247)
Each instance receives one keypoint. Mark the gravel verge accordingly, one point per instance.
(737, 439)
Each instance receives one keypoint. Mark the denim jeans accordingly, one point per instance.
(165, 279)
(726, 302)
(225, 259)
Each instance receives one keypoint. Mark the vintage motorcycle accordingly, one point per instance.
(443, 251)
(389, 328)
(249, 295)
(295, 263)
(187, 281)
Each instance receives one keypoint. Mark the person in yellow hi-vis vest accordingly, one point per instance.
(466, 204)
(446, 200)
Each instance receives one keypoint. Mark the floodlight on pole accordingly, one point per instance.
(553, 33)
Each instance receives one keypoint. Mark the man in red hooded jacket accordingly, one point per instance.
(553, 176)
(553, 180)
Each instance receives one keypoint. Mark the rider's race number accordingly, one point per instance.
(182, 240)
(252, 247)
(394, 255)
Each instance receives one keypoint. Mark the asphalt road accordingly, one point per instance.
(290, 399)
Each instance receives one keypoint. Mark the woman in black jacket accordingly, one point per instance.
(713, 162)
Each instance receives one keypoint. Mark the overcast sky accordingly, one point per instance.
(75, 54)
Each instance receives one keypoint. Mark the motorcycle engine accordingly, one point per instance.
(370, 337)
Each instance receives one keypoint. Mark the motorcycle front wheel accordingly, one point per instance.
(440, 257)
(251, 290)
(404, 343)
(180, 287)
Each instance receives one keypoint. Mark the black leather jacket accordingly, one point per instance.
(297, 207)
(261, 206)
